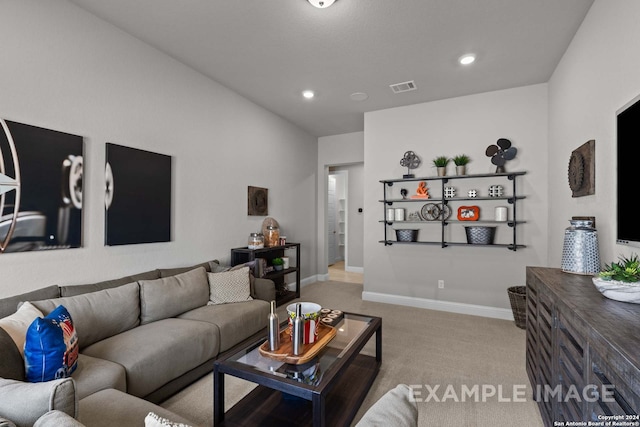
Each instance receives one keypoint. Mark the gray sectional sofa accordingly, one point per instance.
(142, 338)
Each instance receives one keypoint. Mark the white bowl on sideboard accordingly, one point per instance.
(619, 291)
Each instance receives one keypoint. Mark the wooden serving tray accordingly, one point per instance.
(309, 351)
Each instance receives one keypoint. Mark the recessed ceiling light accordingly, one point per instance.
(322, 4)
(359, 96)
(467, 59)
(308, 94)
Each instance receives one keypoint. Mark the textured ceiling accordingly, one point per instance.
(269, 51)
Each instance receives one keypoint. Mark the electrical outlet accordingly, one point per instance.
(440, 284)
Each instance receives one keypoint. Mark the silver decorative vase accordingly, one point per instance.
(580, 253)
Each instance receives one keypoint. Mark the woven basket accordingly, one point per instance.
(518, 300)
(407, 235)
(480, 235)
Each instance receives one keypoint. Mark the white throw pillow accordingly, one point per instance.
(17, 324)
(153, 420)
(229, 286)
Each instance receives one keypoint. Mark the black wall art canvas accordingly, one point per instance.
(40, 188)
(137, 197)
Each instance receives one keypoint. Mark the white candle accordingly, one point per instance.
(501, 213)
(399, 214)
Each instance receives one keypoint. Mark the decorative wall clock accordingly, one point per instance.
(582, 170)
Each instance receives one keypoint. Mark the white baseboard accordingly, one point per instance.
(354, 269)
(453, 307)
(307, 281)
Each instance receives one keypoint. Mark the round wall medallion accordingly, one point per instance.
(576, 171)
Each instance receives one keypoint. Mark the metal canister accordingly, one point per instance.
(580, 253)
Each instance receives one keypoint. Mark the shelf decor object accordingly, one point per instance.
(500, 153)
(480, 235)
(580, 254)
(468, 213)
(410, 161)
(407, 235)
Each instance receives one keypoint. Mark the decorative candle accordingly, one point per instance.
(501, 213)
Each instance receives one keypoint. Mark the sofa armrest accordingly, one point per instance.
(23, 402)
(264, 289)
(57, 419)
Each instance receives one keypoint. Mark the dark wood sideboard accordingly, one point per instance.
(583, 346)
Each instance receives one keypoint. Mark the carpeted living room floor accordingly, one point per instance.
(440, 355)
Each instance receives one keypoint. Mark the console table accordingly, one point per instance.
(283, 295)
(579, 340)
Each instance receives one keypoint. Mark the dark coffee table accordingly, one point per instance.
(327, 390)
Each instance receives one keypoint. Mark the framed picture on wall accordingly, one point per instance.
(137, 196)
(41, 188)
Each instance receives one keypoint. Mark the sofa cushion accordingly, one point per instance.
(171, 296)
(111, 408)
(229, 286)
(16, 324)
(397, 407)
(72, 290)
(99, 315)
(168, 272)
(10, 305)
(11, 362)
(51, 347)
(23, 403)
(57, 419)
(93, 375)
(158, 352)
(236, 321)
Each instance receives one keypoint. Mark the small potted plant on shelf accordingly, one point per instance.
(277, 263)
(461, 161)
(441, 163)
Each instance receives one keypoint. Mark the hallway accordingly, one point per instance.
(338, 274)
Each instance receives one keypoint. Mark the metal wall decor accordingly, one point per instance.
(500, 153)
(257, 201)
(582, 170)
(410, 161)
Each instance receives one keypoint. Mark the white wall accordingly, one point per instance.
(472, 275)
(66, 70)
(335, 150)
(598, 74)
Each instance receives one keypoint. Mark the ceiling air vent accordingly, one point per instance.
(403, 87)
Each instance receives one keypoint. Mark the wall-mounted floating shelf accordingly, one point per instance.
(448, 203)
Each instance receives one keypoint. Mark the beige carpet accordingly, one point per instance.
(441, 355)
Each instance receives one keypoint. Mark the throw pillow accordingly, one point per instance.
(229, 286)
(17, 324)
(11, 362)
(153, 420)
(172, 296)
(51, 347)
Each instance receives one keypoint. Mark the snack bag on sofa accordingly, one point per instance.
(51, 347)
